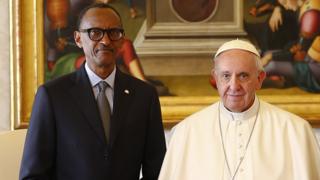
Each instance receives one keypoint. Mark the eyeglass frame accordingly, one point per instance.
(104, 31)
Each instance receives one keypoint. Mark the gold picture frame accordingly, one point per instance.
(26, 57)
(27, 73)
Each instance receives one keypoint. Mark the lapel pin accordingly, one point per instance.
(126, 91)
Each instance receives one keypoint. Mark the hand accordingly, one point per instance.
(276, 19)
(295, 48)
(253, 11)
(266, 59)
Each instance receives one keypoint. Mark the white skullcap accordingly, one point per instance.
(237, 44)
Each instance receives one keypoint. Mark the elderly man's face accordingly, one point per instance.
(102, 53)
(237, 79)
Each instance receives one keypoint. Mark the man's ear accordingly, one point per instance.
(77, 38)
(213, 73)
(261, 77)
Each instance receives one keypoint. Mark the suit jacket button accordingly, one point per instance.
(106, 155)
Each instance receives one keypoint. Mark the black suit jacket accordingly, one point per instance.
(65, 139)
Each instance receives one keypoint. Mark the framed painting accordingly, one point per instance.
(189, 87)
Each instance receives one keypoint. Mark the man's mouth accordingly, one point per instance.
(235, 96)
(105, 50)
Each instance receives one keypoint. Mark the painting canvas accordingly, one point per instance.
(288, 35)
(174, 50)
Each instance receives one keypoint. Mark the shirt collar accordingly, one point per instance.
(95, 79)
(252, 111)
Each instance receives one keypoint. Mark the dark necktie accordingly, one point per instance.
(104, 108)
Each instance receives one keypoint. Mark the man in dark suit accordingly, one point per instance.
(71, 137)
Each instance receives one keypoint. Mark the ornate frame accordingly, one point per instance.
(307, 106)
(27, 73)
(26, 57)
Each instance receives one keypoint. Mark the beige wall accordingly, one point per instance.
(4, 66)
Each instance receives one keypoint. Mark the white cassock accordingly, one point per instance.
(282, 146)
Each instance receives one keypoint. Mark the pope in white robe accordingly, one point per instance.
(227, 142)
(282, 146)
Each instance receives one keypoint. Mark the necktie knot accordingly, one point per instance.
(102, 85)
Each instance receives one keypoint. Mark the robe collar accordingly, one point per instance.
(249, 113)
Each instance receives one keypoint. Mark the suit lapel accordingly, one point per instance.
(84, 97)
(123, 93)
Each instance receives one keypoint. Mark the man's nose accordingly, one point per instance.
(105, 39)
(234, 83)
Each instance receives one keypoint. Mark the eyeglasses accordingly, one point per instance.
(96, 34)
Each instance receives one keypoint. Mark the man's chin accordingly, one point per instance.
(106, 60)
(104, 63)
(235, 98)
(105, 55)
(234, 106)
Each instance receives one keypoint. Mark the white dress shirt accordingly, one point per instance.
(95, 79)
